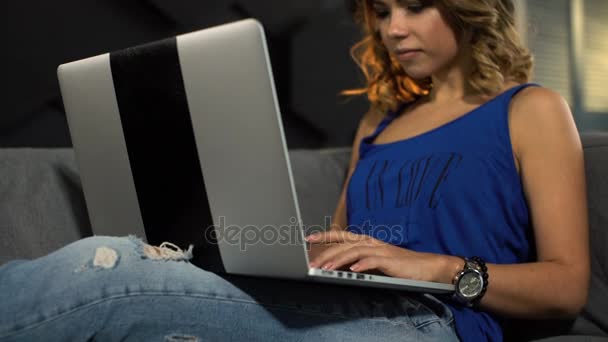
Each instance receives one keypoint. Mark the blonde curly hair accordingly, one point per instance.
(498, 54)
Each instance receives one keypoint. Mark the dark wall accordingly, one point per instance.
(309, 44)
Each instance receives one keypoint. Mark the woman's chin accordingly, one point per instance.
(416, 73)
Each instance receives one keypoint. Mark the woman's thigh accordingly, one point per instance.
(105, 288)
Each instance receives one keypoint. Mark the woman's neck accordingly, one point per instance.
(451, 83)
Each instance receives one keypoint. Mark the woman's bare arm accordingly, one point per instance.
(550, 156)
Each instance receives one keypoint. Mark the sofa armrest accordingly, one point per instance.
(594, 318)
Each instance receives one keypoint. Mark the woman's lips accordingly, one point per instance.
(404, 55)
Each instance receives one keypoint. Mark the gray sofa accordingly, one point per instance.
(42, 208)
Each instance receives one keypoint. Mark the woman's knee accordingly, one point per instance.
(93, 242)
(97, 252)
(124, 253)
(107, 245)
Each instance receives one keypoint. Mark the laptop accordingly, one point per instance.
(181, 140)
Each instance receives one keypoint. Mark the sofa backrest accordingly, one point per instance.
(42, 208)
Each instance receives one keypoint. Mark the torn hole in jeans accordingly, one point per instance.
(104, 258)
(181, 338)
(166, 251)
(108, 258)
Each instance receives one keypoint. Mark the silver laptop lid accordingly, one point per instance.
(180, 135)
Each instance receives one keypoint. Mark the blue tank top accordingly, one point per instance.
(453, 190)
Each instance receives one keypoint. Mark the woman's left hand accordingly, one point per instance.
(366, 253)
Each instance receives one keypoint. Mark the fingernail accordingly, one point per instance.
(327, 266)
(313, 264)
(354, 268)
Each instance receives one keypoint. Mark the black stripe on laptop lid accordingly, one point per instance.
(162, 150)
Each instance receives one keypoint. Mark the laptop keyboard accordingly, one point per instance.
(347, 275)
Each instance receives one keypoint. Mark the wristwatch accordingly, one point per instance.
(471, 283)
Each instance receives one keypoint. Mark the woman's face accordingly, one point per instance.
(417, 36)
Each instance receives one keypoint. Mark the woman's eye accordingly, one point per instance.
(381, 13)
(415, 8)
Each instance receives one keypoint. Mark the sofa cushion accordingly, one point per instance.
(42, 207)
(319, 176)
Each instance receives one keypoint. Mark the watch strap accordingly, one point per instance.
(478, 264)
(481, 267)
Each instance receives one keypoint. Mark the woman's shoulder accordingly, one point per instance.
(537, 106)
(370, 121)
(535, 96)
(538, 114)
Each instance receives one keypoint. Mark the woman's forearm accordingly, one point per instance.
(536, 290)
(532, 290)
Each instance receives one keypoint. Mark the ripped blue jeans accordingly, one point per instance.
(111, 289)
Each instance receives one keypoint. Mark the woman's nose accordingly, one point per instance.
(398, 25)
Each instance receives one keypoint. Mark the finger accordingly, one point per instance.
(326, 237)
(314, 250)
(328, 254)
(335, 236)
(371, 263)
(353, 255)
(323, 258)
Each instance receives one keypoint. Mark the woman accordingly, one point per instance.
(508, 183)
(458, 156)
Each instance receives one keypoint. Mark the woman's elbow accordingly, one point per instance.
(572, 299)
(570, 308)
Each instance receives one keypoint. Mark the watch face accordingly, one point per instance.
(470, 284)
